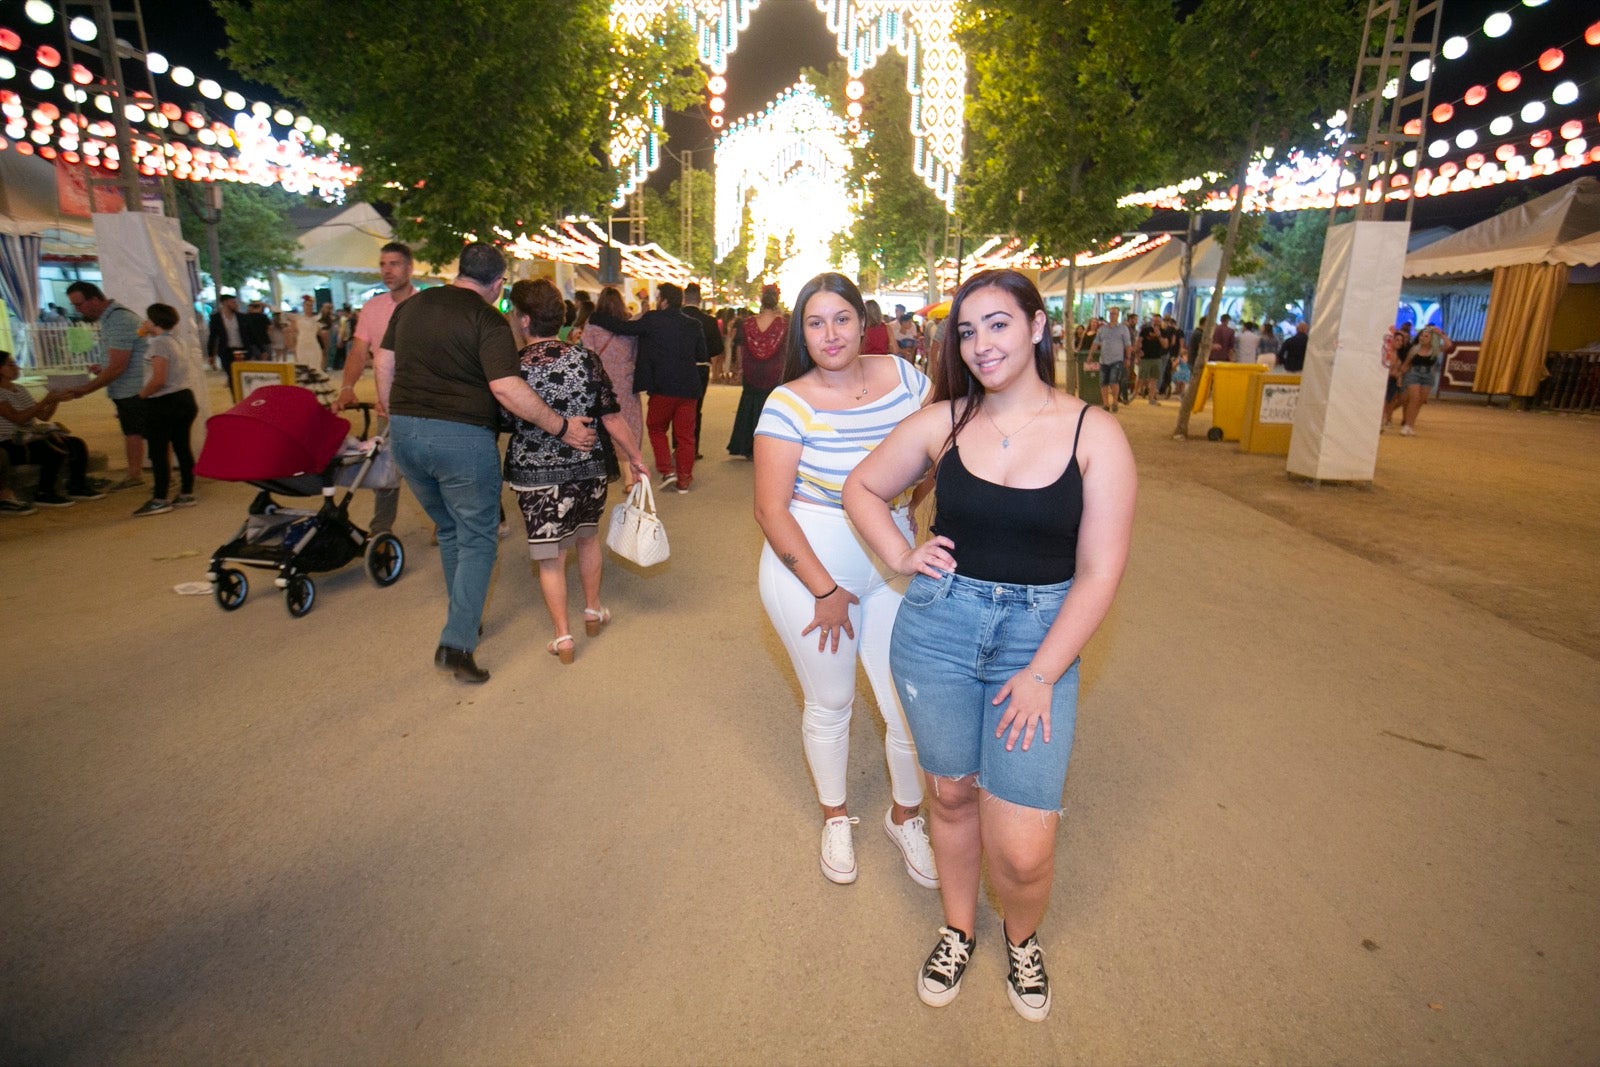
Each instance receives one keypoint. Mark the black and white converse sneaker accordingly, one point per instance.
(940, 978)
(1027, 985)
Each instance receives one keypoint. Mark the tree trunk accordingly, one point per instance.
(1197, 360)
(1069, 363)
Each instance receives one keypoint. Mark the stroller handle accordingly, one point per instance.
(366, 410)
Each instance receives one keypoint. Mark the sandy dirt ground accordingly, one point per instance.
(1332, 797)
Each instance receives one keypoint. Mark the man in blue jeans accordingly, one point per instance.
(455, 366)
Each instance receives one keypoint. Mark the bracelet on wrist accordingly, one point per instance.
(563, 431)
(1036, 676)
(829, 593)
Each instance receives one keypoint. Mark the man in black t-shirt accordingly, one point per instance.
(455, 366)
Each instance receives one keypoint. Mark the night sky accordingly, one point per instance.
(786, 35)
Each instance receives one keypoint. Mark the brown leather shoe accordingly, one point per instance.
(459, 662)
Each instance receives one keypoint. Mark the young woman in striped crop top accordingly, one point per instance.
(1035, 508)
(827, 597)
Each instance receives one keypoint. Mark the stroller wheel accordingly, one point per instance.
(230, 588)
(386, 558)
(299, 595)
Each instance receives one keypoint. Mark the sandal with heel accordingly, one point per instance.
(561, 648)
(594, 619)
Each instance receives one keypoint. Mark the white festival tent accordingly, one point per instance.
(1531, 250)
(1562, 226)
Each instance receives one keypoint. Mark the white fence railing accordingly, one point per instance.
(59, 345)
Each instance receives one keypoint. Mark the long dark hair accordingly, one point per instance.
(952, 380)
(796, 360)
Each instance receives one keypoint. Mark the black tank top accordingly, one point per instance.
(1008, 535)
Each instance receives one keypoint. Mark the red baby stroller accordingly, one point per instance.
(282, 440)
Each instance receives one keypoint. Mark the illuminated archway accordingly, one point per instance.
(921, 30)
(789, 165)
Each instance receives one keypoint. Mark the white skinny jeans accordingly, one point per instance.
(828, 679)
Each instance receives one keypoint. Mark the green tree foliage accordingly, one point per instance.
(466, 115)
(1252, 74)
(1291, 258)
(664, 219)
(253, 231)
(1055, 131)
(900, 225)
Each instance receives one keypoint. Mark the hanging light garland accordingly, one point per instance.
(1319, 180)
(262, 145)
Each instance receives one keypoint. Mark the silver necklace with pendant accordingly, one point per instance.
(1005, 438)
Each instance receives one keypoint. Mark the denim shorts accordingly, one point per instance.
(1113, 374)
(1416, 375)
(956, 642)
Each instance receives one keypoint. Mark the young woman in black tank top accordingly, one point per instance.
(1035, 510)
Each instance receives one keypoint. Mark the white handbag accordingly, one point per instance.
(636, 533)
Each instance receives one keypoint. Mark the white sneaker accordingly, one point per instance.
(911, 837)
(1406, 431)
(839, 849)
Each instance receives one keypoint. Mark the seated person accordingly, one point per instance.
(27, 437)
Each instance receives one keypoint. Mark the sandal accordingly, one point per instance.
(594, 619)
(560, 650)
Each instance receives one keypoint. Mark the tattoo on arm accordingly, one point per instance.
(790, 560)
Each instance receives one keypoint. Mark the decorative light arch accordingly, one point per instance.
(921, 30)
(789, 164)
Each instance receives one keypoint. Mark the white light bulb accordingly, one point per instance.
(83, 28)
(42, 79)
(210, 89)
(1437, 149)
(283, 117)
(1533, 111)
(8, 69)
(233, 101)
(302, 124)
(1544, 156)
(1497, 24)
(1466, 139)
(260, 110)
(1391, 89)
(1421, 69)
(1454, 48)
(39, 11)
(183, 76)
(1565, 93)
(1501, 125)
(1577, 146)
(156, 63)
(1534, 3)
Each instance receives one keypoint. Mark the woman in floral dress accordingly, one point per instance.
(561, 491)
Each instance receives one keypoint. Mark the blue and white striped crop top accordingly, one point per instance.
(833, 442)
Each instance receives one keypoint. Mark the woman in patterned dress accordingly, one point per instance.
(562, 491)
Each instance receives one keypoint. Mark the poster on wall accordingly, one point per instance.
(1278, 402)
(72, 191)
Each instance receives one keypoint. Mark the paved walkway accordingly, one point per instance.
(1326, 805)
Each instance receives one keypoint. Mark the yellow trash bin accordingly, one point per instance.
(1269, 417)
(1228, 386)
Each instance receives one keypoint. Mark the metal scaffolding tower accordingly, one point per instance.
(1397, 35)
